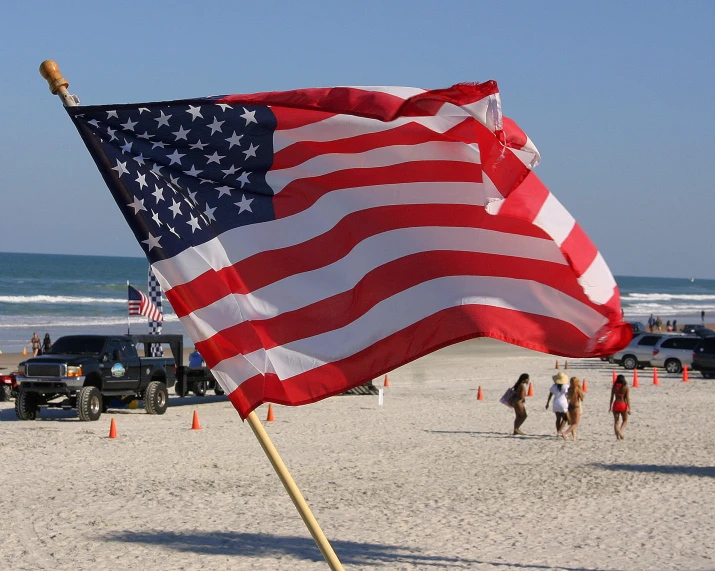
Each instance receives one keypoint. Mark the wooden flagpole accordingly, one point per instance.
(58, 86)
(294, 493)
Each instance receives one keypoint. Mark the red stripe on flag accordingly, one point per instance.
(436, 331)
(579, 250)
(273, 265)
(379, 284)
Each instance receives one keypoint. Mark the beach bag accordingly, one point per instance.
(508, 397)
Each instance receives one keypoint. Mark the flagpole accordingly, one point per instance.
(128, 323)
(294, 493)
(58, 86)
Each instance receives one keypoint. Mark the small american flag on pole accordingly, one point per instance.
(311, 240)
(140, 304)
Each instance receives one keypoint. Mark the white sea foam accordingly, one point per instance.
(53, 321)
(642, 297)
(59, 299)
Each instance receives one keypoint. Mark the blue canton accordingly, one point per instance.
(182, 172)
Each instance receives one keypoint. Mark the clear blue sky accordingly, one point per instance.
(619, 97)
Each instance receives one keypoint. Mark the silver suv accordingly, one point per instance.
(674, 351)
(639, 352)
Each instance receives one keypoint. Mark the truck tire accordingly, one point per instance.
(89, 403)
(200, 388)
(26, 406)
(5, 393)
(217, 389)
(156, 398)
(180, 388)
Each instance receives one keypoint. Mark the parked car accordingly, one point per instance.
(698, 329)
(639, 352)
(637, 327)
(704, 357)
(674, 351)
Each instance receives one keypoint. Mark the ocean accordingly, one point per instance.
(62, 295)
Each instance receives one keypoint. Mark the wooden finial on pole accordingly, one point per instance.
(294, 493)
(58, 84)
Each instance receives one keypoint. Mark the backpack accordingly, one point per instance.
(508, 397)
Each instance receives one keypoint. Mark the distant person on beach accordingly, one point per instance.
(559, 391)
(46, 343)
(620, 405)
(702, 316)
(519, 402)
(668, 326)
(675, 325)
(651, 323)
(574, 397)
(35, 342)
(196, 361)
(659, 323)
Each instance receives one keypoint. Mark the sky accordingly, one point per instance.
(619, 98)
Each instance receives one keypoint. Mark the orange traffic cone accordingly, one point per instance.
(387, 382)
(566, 364)
(685, 373)
(557, 364)
(585, 386)
(635, 379)
(655, 377)
(614, 376)
(480, 395)
(531, 390)
(195, 424)
(112, 429)
(24, 350)
(270, 417)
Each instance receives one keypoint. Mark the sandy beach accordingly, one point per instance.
(432, 479)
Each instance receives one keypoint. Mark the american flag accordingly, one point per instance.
(312, 240)
(140, 304)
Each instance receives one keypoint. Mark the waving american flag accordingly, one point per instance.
(311, 240)
(140, 304)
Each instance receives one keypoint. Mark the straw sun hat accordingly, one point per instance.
(561, 378)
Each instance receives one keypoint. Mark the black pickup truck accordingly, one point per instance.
(85, 372)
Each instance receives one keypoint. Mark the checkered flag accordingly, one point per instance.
(155, 350)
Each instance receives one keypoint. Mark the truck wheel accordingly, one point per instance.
(5, 393)
(218, 390)
(89, 403)
(26, 406)
(180, 388)
(199, 388)
(156, 398)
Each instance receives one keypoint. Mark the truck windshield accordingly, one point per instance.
(77, 345)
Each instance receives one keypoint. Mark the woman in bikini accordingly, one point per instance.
(621, 408)
(574, 397)
(518, 402)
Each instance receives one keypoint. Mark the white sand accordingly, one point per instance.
(432, 480)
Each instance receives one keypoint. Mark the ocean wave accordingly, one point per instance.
(59, 299)
(51, 321)
(667, 297)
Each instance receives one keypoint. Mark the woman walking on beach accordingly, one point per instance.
(559, 391)
(621, 408)
(35, 341)
(519, 402)
(46, 343)
(574, 397)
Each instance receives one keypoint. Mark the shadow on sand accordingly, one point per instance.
(699, 471)
(264, 545)
(494, 434)
(61, 414)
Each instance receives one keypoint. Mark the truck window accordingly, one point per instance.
(128, 349)
(113, 350)
(77, 345)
